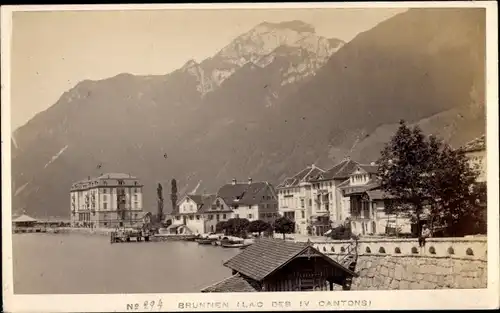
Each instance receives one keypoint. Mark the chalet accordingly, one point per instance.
(295, 198)
(366, 203)
(190, 213)
(287, 266)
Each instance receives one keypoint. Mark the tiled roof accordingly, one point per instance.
(264, 257)
(341, 170)
(23, 219)
(116, 176)
(198, 199)
(372, 169)
(305, 175)
(478, 144)
(235, 283)
(345, 183)
(378, 194)
(208, 204)
(245, 193)
(370, 185)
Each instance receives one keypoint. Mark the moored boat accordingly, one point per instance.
(205, 241)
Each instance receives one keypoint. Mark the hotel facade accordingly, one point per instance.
(109, 200)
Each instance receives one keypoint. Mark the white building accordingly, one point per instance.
(328, 206)
(249, 200)
(109, 200)
(366, 204)
(295, 200)
(475, 150)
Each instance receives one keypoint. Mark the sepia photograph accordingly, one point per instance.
(208, 151)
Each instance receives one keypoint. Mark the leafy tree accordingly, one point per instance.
(457, 197)
(221, 227)
(258, 226)
(418, 169)
(404, 167)
(237, 226)
(284, 226)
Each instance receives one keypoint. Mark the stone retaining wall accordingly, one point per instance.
(389, 264)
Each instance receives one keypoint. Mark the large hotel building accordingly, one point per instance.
(110, 200)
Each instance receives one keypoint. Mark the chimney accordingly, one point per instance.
(313, 166)
(347, 158)
(250, 180)
(372, 164)
(234, 181)
(88, 177)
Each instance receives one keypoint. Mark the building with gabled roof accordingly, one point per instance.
(249, 200)
(277, 265)
(327, 197)
(366, 204)
(294, 197)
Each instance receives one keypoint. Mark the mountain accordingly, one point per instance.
(272, 101)
(125, 122)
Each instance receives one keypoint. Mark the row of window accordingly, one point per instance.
(224, 216)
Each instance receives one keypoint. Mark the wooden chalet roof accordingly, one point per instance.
(266, 256)
(235, 283)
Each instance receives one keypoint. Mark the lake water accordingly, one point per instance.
(79, 264)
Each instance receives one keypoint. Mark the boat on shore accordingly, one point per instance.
(209, 239)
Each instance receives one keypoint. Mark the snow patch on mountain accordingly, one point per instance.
(18, 190)
(57, 155)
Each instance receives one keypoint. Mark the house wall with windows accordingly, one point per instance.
(295, 200)
(108, 200)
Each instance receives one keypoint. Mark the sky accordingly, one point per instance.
(54, 50)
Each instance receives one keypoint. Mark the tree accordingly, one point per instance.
(404, 167)
(237, 226)
(284, 226)
(221, 227)
(173, 194)
(159, 192)
(258, 226)
(418, 169)
(457, 196)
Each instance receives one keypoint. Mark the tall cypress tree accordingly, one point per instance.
(159, 192)
(173, 194)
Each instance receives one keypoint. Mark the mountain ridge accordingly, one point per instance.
(253, 125)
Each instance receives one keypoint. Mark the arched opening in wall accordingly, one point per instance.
(432, 250)
(324, 249)
(381, 250)
(332, 249)
(352, 266)
(342, 249)
(397, 250)
(469, 251)
(414, 250)
(451, 250)
(368, 250)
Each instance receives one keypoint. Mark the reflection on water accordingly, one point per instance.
(78, 264)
